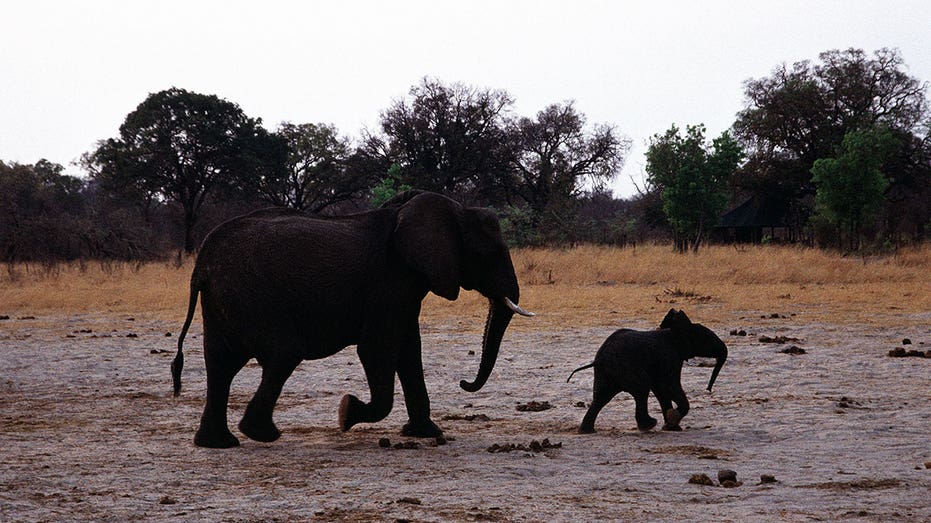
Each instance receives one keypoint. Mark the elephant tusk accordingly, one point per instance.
(514, 307)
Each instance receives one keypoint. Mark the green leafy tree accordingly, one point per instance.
(850, 186)
(182, 147)
(390, 186)
(692, 178)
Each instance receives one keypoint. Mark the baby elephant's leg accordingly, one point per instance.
(600, 397)
(645, 422)
(672, 416)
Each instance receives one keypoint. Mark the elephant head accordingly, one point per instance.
(455, 247)
(698, 340)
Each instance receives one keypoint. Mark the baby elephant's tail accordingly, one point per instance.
(590, 365)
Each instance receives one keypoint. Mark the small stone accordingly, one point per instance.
(897, 352)
(580, 404)
(384, 443)
(167, 334)
(767, 478)
(906, 341)
(132, 335)
(166, 500)
(471, 353)
(928, 464)
(726, 475)
(701, 479)
(410, 501)
(731, 484)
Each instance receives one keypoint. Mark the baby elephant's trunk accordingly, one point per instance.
(717, 368)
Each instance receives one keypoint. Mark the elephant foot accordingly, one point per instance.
(647, 425)
(348, 407)
(215, 439)
(264, 432)
(421, 429)
(672, 420)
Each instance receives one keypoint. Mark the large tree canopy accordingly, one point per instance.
(802, 112)
(554, 156)
(447, 138)
(181, 147)
(318, 170)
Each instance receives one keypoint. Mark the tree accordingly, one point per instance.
(41, 213)
(850, 187)
(692, 179)
(182, 147)
(801, 113)
(554, 156)
(448, 138)
(317, 174)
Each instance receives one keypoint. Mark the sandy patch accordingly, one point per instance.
(89, 431)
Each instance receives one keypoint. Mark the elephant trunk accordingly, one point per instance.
(717, 368)
(499, 316)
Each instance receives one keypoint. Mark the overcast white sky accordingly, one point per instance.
(70, 72)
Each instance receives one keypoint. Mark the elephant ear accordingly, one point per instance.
(428, 238)
(675, 320)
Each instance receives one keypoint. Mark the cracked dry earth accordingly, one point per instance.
(89, 431)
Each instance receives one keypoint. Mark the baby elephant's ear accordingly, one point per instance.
(675, 320)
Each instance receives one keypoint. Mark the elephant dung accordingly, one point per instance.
(701, 479)
(726, 475)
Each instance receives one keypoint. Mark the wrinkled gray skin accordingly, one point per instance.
(642, 361)
(281, 286)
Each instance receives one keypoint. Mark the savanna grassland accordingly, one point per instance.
(586, 285)
(90, 431)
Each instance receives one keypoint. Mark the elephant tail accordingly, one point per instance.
(590, 365)
(178, 363)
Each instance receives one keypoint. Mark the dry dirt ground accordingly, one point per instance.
(89, 430)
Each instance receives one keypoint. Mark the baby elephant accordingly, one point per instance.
(641, 361)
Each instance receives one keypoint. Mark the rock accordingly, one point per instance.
(726, 475)
(471, 353)
(167, 334)
(794, 350)
(767, 478)
(580, 404)
(384, 443)
(410, 501)
(731, 484)
(166, 500)
(701, 479)
(4, 317)
(928, 464)
(906, 341)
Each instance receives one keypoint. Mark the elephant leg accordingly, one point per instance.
(671, 416)
(379, 363)
(410, 373)
(222, 365)
(257, 422)
(601, 395)
(645, 422)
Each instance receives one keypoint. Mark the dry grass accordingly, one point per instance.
(581, 286)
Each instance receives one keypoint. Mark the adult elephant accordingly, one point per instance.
(282, 286)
